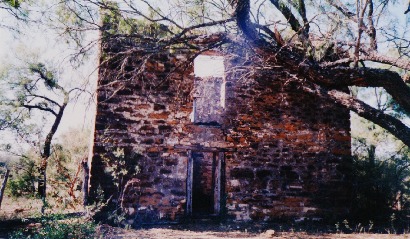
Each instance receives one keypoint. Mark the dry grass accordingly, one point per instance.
(169, 233)
(16, 208)
(22, 207)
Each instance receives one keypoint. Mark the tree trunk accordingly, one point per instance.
(86, 176)
(42, 183)
(3, 186)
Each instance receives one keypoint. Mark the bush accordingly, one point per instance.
(381, 188)
(54, 229)
(23, 178)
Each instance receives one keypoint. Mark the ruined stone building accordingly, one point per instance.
(174, 141)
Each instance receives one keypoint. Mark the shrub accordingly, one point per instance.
(381, 188)
(23, 177)
(55, 229)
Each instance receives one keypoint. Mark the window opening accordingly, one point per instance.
(209, 89)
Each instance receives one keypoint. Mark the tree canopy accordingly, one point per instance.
(326, 45)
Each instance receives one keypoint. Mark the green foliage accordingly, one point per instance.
(29, 91)
(63, 168)
(62, 171)
(110, 16)
(397, 109)
(148, 29)
(194, 12)
(23, 177)
(14, 3)
(115, 23)
(381, 187)
(53, 228)
(46, 75)
(366, 133)
(381, 165)
(130, 26)
(73, 18)
(18, 9)
(121, 165)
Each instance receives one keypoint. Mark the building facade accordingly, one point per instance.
(218, 136)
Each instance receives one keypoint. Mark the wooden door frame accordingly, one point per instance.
(218, 177)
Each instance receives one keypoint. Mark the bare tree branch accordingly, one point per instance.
(372, 30)
(292, 20)
(390, 123)
(342, 8)
(30, 107)
(372, 56)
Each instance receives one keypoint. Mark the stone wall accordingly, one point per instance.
(146, 117)
(285, 153)
(293, 151)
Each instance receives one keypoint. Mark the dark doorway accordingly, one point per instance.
(205, 183)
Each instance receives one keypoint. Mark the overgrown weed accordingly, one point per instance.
(58, 226)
